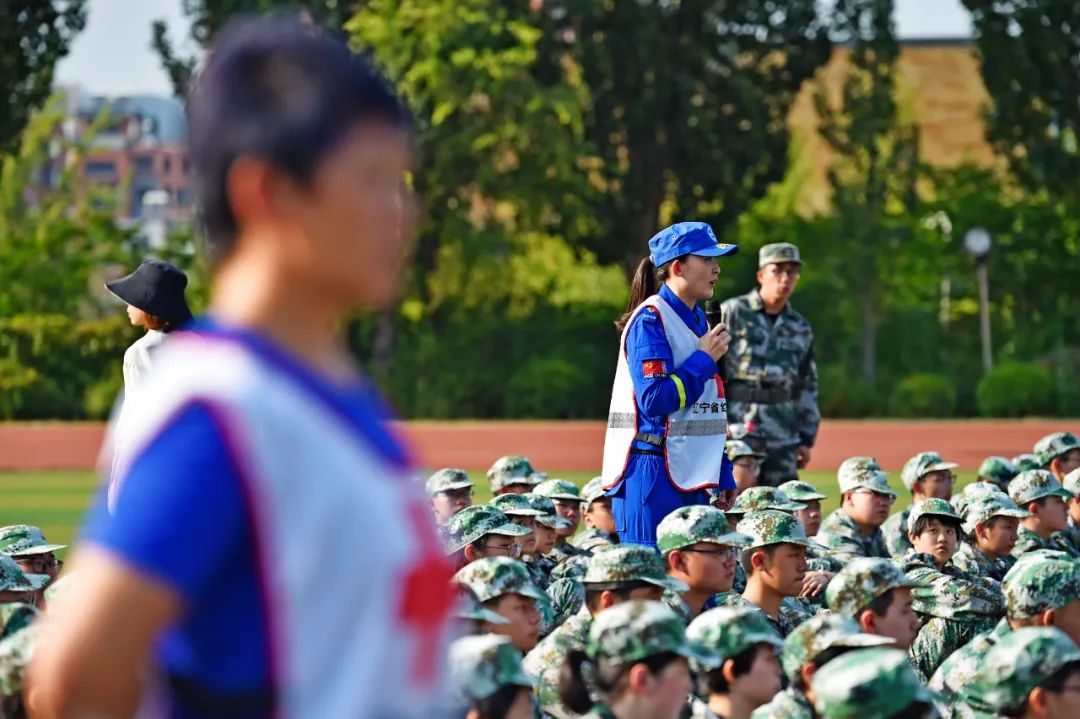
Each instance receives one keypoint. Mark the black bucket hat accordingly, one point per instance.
(156, 288)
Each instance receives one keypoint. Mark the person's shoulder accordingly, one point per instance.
(740, 303)
(785, 705)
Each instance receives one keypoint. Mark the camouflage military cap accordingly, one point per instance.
(631, 631)
(778, 252)
(1054, 445)
(736, 448)
(573, 567)
(770, 526)
(696, 523)
(801, 491)
(625, 563)
(546, 507)
(730, 631)
(922, 464)
(447, 480)
(822, 632)
(472, 523)
(492, 577)
(1026, 461)
(12, 578)
(510, 470)
(863, 473)
(1037, 583)
(592, 491)
(469, 607)
(560, 489)
(998, 470)
(860, 582)
(874, 682)
(515, 505)
(1035, 484)
(22, 540)
(982, 508)
(1022, 660)
(1071, 482)
(756, 499)
(482, 665)
(931, 507)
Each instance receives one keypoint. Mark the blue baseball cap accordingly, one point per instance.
(687, 238)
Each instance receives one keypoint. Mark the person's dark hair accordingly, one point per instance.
(497, 705)
(923, 522)
(915, 710)
(275, 89)
(880, 605)
(744, 558)
(1054, 683)
(646, 283)
(619, 589)
(819, 661)
(573, 689)
(713, 682)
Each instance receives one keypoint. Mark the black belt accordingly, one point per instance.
(656, 440)
(737, 391)
(655, 452)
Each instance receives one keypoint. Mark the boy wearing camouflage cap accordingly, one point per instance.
(854, 530)
(954, 606)
(519, 509)
(503, 585)
(567, 499)
(805, 494)
(998, 471)
(512, 474)
(26, 544)
(1058, 453)
(745, 464)
(925, 475)
(1040, 493)
(745, 673)
(991, 522)
(875, 683)
(877, 595)
(482, 531)
(488, 680)
(450, 491)
(599, 521)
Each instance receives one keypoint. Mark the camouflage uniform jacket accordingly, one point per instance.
(15, 616)
(1027, 541)
(545, 660)
(788, 704)
(592, 538)
(566, 550)
(678, 605)
(567, 597)
(539, 570)
(960, 667)
(792, 613)
(953, 608)
(895, 530)
(969, 560)
(779, 354)
(1073, 535)
(16, 650)
(844, 541)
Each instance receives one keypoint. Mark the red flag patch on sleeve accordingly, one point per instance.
(652, 369)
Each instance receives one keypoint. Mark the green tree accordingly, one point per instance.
(34, 36)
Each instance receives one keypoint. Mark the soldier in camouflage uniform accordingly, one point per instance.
(1071, 484)
(1043, 586)
(991, 522)
(877, 596)
(998, 471)
(1026, 461)
(743, 637)
(854, 530)
(485, 667)
(756, 499)
(503, 585)
(1044, 498)
(953, 606)
(871, 683)
(599, 521)
(16, 651)
(769, 372)
(18, 591)
(512, 475)
(621, 638)
(450, 491)
(18, 631)
(925, 475)
(567, 499)
(481, 531)
(745, 464)
(615, 574)
(26, 544)
(1058, 453)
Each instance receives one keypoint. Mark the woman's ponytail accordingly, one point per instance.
(645, 284)
(573, 689)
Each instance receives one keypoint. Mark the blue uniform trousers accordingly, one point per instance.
(644, 497)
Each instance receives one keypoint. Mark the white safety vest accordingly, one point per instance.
(695, 434)
(353, 576)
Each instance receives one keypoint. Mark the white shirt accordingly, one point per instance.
(138, 361)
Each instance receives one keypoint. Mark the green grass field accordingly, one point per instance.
(55, 501)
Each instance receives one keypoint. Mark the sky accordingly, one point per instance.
(112, 56)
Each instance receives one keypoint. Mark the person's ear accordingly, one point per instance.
(1036, 702)
(1047, 618)
(912, 537)
(757, 560)
(727, 670)
(761, 277)
(867, 622)
(470, 553)
(676, 561)
(807, 671)
(639, 679)
(676, 268)
(607, 599)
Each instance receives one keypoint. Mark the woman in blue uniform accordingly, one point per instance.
(664, 447)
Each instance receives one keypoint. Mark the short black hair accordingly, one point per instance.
(923, 522)
(744, 559)
(1054, 683)
(620, 589)
(820, 660)
(713, 682)
(880, 604)
(276, 89)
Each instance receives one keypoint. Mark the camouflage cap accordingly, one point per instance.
(962, 499)
(592, 491)
(1071, 482)
(730, 631)
(22, 540)
(1021, 660)
(998, 470)
(736, 448)
(983, 507)
(624, 563)
(1037, 583)
(546, 507)
(515, 505)
(777, 252)
(821, 632)
(770, 526)
(931, 507)
(1035, 484)
(469, 607)
(1054, 445)
(510, 470)
(756, 499)
(863, 473)
(447, 480)
(482, 665)
(472, 523)
(560, 489)
(12, 578)
(860, 582)
(635, 630)
(492, 577)
(922, 464)
(1026, 461)
(801, 491)
(865, 683)
(696, 523)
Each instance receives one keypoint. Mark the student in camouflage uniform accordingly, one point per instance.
(877, 595)
(756, 499)
(998, 471)
(1058, 453)
(26, 544)
(16, 651)
(599, 521)
(450, 491)
(487, 679)
(953, 606)
(805, 494)
(854, 530)
(1032, 673)
(18, 631)
(871, 684)
(512, 475)
(925, 475)
(1040, 493)
(1042, 589)
(1071, 484)
(547, 525)
(567, 499)
(991, 522)
(482, 531)
(745, 464)
(637, 663)
(517, 507)
(745, 673)
(769, 372)
(615, 574)
(503, 585)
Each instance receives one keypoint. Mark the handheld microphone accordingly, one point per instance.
(713, 314)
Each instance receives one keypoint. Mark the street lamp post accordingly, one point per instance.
(977, 243)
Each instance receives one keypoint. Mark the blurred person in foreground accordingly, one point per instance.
(218, 588)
